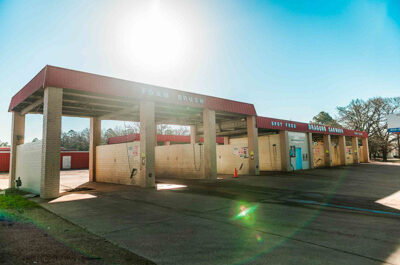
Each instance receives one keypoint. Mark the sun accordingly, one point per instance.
(154, 39)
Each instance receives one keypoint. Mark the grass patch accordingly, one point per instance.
(13, 205)
(20, 211)
(15, 202)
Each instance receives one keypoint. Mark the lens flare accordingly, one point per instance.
(259, 239)
(245, 212)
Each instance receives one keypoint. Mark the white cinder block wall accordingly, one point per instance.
(180, 161)
(232, 156)
(177, 161)
(115, 163)
(269, 149)
(28, 166)
(183, 160)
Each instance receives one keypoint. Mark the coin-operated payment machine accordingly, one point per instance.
(143, 158)
(252, 155)
(292, 151)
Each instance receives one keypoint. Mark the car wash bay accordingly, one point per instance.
(251, 143)
(55, 92)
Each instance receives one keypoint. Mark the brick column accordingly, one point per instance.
(342, 149)
(252, 138)
(51, 145)
(285, 159)
(17, 138)
(328, 150)
(155, 142)
(147, 145)
(210, 145)
(310, 151)
(95, 140)
(366, 150)
(193, 134)
(356, 155)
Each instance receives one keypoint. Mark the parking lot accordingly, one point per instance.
(344, 215)
(69, 179)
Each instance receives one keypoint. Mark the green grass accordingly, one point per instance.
(13, 200)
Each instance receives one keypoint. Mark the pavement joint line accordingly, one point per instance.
(192, 214)
(135, 226)
(342, 207)
(327, 247)
(215, 210)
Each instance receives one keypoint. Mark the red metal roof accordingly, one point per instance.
(76, 80)
(71, 79)
(278, 124)
(160, 138)
(35, 84)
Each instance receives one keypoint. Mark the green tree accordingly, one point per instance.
(325, 119)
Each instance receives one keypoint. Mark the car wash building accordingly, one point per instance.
(55, 92)
(250, 143)
(307, 146)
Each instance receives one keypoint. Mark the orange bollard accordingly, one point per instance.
(235, 174)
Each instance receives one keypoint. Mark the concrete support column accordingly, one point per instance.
(17, 138)
(226, 140)
(342, 149)
(95, 140)
(285, 159)
(328, 150)
(210, 145)
(147, 145)
(310, 151)
(252, 138)
(156, 142)
(193, 134)
(51, 145)
(366, 149)
(356, 155)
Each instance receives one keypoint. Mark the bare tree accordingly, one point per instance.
(162, 128)
(73, 140)
(371, 116)
(4, 144)
(173, 129)
(358, 115)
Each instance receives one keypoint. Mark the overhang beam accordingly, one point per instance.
(32, 106)
(119, 113)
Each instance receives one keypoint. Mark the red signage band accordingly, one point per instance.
(278, 124)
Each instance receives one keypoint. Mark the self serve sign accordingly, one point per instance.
(393, 122)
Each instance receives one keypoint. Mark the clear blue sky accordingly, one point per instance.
(291, 59)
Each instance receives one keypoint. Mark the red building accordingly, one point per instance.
(4, 159)
(69, 159)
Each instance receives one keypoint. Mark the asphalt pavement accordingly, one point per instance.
(344, 215)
